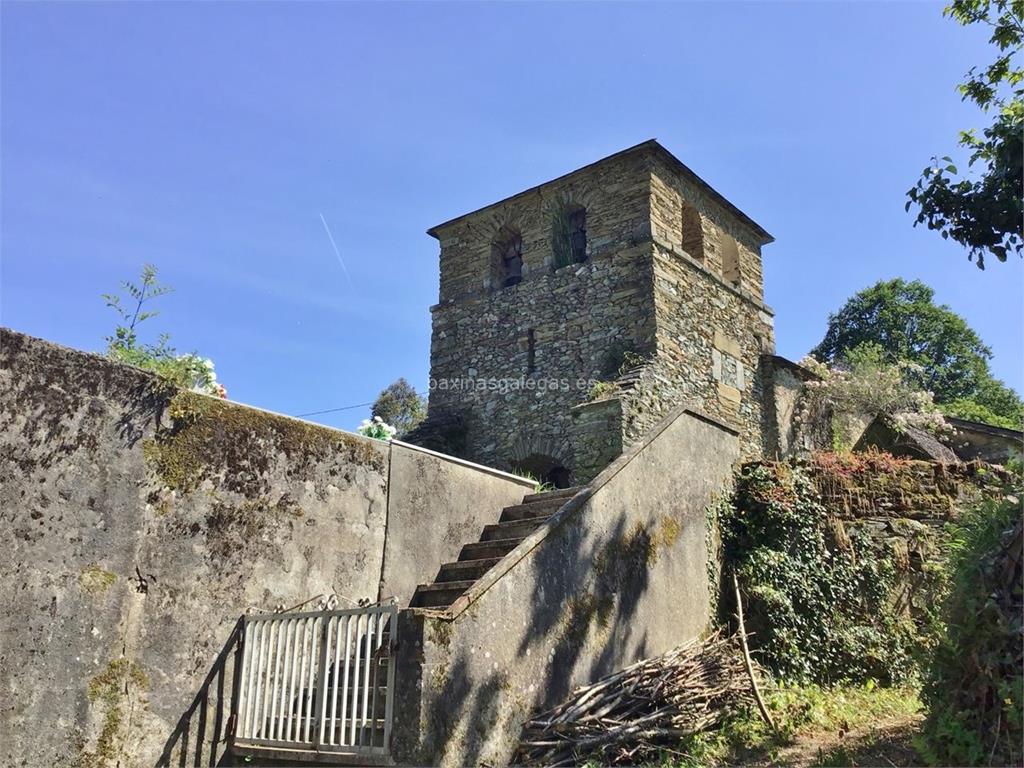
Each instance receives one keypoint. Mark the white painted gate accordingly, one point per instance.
(319, 682)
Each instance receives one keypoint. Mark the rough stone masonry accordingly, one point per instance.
(632, 265)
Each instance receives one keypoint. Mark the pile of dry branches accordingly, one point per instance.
(635, 715)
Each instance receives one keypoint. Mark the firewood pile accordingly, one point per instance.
(641, 712)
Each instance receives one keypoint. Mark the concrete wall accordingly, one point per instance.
(437, 503)
(983, 442)
(618, 574)
(137, 523)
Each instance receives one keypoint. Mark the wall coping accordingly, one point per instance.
(523, 481)
(97, 358)
(573, 505)
(780, 362)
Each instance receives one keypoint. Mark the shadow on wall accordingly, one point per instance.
(204, 730)
(605, 582)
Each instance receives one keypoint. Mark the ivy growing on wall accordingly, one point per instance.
(819, 598)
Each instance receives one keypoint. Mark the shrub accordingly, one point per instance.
(974, 689)
(376, 428)
(862, 384)
(188, 371)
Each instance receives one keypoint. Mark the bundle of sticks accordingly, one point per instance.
(641, 712)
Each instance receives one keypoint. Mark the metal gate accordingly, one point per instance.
(318, 682)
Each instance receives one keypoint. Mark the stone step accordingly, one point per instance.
(514, 529)
(466, 569)
(480, 550)
(544, 508)
(438, 595)
(559, 493)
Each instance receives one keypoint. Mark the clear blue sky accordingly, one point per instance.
(209, 139)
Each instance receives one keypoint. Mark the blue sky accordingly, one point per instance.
(210, 138)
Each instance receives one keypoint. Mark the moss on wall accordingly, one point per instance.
(110, 690)
(95, 580)
(207, 437)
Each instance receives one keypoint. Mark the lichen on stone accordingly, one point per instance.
(95, 580)
(230, 526)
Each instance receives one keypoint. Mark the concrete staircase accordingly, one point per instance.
(497, 540)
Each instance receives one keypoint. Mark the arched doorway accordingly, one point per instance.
(547, 469)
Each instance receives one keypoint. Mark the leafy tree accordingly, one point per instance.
(984, 213)
(189, 370)
(400, 406)
(947, 357)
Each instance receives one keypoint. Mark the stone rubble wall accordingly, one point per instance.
(903, 507)
(583, 316)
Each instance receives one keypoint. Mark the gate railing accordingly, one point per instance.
(321, 681)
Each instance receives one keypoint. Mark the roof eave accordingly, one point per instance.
(650, 145)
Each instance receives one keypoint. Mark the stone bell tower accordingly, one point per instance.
(572, 316)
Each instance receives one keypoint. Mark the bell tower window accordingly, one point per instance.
(507, 258)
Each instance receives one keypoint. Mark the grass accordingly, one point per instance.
(839, 726)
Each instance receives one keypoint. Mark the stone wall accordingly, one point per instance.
(619, 574)
(512, 362)
(597, 435)
(984, 442)
(524, 356)
(784, 432)
(903, 506)
(139, 522)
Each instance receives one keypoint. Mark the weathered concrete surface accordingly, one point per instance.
(984, 442)
(620, 573)
(437, 504)
(137, 523)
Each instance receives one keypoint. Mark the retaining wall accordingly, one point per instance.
(138, 522)
(618, 574)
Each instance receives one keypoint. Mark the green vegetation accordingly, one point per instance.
(974, 688)
(400, 406)
(189, 371)
(983, 213)
(934, 348)
(603, 390)
(208, 437)
(538, 486)
(109, 689)
(819, 597)
(810, 719)
(95, 580)
(863, 384)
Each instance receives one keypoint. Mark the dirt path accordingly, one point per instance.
(887, 743)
